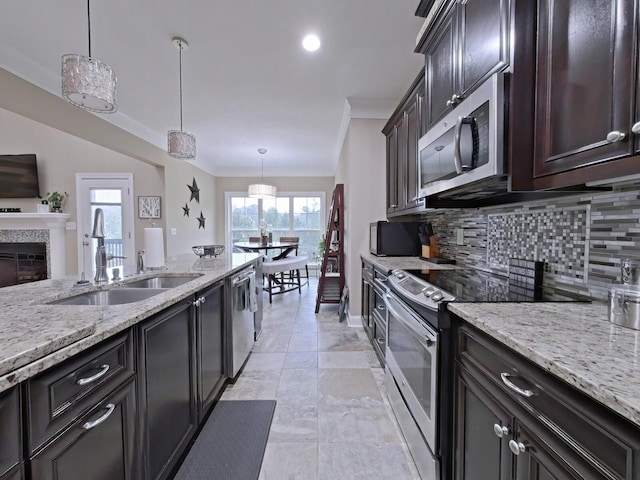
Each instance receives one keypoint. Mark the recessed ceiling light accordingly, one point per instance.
(311, 43)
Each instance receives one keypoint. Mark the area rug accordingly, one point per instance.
(232, 442)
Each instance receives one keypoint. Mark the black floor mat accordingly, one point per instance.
(232, 442)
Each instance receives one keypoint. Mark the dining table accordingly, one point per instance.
(284, 247)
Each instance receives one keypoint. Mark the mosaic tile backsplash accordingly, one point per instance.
(580, 238)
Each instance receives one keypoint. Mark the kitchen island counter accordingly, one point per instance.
(38, 335)
(575, 342)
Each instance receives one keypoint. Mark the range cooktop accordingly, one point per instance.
(472, 285)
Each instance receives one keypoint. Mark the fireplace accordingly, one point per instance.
(22, 263)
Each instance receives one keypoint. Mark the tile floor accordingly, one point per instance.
(332, 419)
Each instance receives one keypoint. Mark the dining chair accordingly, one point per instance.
(254, 239)
(293, 253)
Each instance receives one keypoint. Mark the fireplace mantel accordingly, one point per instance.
(13, 226)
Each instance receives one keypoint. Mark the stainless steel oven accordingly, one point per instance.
(412, 364)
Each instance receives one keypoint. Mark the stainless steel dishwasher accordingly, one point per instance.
(241, 326)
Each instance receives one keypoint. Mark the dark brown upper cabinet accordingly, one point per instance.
(402, 131)
(467, 43)
(583, 93)
(585, 79)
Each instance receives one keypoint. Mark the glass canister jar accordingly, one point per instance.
(624, 306)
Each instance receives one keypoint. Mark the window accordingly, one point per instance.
(288, 215)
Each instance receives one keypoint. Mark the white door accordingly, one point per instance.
(113, 193)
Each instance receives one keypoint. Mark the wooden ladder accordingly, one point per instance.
(331, 281)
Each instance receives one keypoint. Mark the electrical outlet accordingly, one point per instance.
(174, 231)
(459, 236)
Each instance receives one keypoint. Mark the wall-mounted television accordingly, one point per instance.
(19, 176)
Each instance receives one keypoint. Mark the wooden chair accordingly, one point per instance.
(295, 253)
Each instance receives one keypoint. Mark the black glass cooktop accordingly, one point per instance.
(471, 285)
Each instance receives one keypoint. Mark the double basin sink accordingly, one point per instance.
(127, 292)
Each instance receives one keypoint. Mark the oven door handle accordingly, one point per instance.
(416, 326)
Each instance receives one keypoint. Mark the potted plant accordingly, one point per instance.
(56, 199)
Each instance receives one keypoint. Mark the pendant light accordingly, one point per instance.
(181, 144)
(88, 83)
(262, 190)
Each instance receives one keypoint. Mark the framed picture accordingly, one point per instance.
(148, 207)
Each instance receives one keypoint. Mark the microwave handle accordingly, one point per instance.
(457, 160)
(457, 156)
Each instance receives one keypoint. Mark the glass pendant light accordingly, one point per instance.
(88, 83)
(262, 190)
(181, 144)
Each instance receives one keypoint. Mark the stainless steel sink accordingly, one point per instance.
(115, 296)
(159, 282)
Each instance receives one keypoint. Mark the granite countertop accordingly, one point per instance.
(404, 263)
(576, 343)
(36, 335)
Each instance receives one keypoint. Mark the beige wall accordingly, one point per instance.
(68, 140)
(284, 184)
(362, 170)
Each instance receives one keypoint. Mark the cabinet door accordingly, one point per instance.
(210, 325)
(98, 446)
(584, 83)
(410, 183)
(167, 387)
(392, 168)
(16, 473)
(440, 69)
(483, 28)
(479, 452)
(10, 431)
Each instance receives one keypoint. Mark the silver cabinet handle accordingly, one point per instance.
(103, 371)
(196, 303)
(513, 386)
(517, 447)
(393, 206)
(615, 136)
(89, 425)
(500, 430)
(202, 299)
(455, 99)
(636, 128)
(380, 341)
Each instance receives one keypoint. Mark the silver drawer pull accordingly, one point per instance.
(517, 447)
(513, 386)
(103, 371)
(89, 425)
(636, 128)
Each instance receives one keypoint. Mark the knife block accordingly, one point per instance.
(431, 250)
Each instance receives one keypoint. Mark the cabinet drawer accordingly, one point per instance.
(60, 394)
(603, 439)
(10, 431)
(98, 445)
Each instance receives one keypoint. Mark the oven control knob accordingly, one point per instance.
(436, 296)
(428, 291)
(400, 274)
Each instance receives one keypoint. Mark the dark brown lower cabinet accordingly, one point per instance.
(516, 421)
(10, 431)
(167, 396)
(99, 445)
(209, 345)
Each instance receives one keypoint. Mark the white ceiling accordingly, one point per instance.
(247, 82)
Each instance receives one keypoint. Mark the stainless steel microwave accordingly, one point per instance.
(467, 145)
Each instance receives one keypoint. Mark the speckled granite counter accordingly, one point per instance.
(36, 336)
(404, 263)
(574, 342)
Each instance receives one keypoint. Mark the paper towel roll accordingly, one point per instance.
(153, 247)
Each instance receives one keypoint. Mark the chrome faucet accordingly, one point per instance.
(101, 253)
(140, 262)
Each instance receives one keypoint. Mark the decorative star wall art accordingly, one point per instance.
(201, 221)
(185, 210)
(195, 191)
